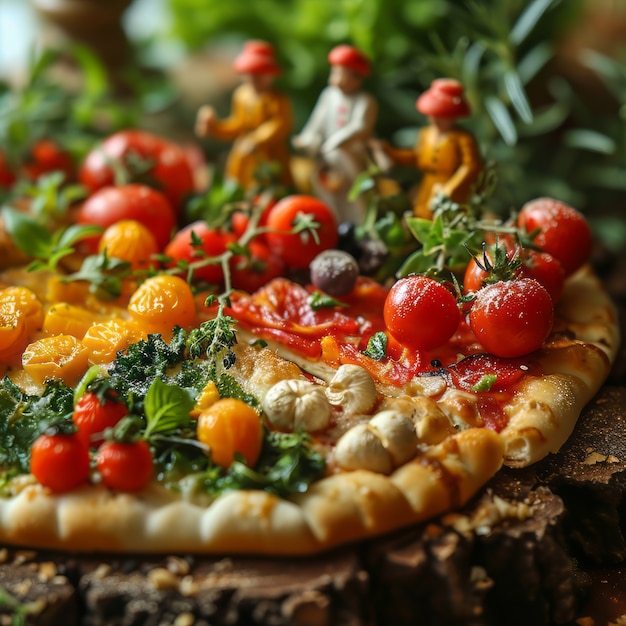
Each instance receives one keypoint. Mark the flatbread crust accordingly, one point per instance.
(341, 508)
(575, 362)
(454, 457)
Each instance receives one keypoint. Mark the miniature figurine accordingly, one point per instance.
(448, 156)
(338, 130)
(260, 121)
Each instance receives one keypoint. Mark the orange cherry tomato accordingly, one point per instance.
(162, 302)
(60, 462)
(130, 241)
(125, 467)
(231, 426)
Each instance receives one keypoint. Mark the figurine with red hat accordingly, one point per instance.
(338, 130)
(260, 121)
(447, 156)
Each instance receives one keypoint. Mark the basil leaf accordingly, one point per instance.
(377, 346)
(167, 407)
(319, 301)
(29, 235)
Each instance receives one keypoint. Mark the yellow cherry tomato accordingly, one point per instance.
(162, 302)
(63, 318)
(26, 304)
(231, 426)
(60, 356)
(13, 333)
(105, 339)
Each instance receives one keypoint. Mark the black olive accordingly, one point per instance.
(347, 239)
(334, 272)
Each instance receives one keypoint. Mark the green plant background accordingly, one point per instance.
(546, 80)
(547, 133)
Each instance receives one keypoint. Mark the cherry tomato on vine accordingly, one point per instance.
(125, 467)
(565, 233)
(512, 318)
(297, 250)
(421, 313)
(196, 242)
(545, 269)
(147, 158)
(541, 266)
(60, 462)
(251, 273)
(240, 219)
(129, 202)
(92, 417)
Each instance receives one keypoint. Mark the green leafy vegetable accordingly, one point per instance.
(24, 417)
(167, 407)
(485, 383)
(377, 346)
(319, 301)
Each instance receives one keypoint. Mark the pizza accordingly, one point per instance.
(247, 389)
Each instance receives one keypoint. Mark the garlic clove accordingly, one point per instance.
(353, 389)
(297, 405)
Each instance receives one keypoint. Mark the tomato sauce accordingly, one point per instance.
(282, 311)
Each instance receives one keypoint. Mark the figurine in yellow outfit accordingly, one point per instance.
(261, 119)
(448, 156)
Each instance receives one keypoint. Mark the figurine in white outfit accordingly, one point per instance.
(337, 133)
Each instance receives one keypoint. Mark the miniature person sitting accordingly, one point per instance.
(448, 156)
(260, 121)
(338, 130)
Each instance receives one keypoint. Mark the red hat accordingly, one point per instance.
(444, 98)
(350, 57)
(257, 57)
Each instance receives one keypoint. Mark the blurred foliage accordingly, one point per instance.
(527, 117)
(73, 113)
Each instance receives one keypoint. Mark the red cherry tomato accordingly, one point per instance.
(251, 273)
(545, 269)
(7, 176)
(297, 250)
(196, 242)
(421, 313)
(565, 234)
(92, 417)
(475, 277)
(125, 466)
(60, 462)
(47, 156)
(129, 202)
(240, 219)
(512, 318)
(167, 164)
(541, 266)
